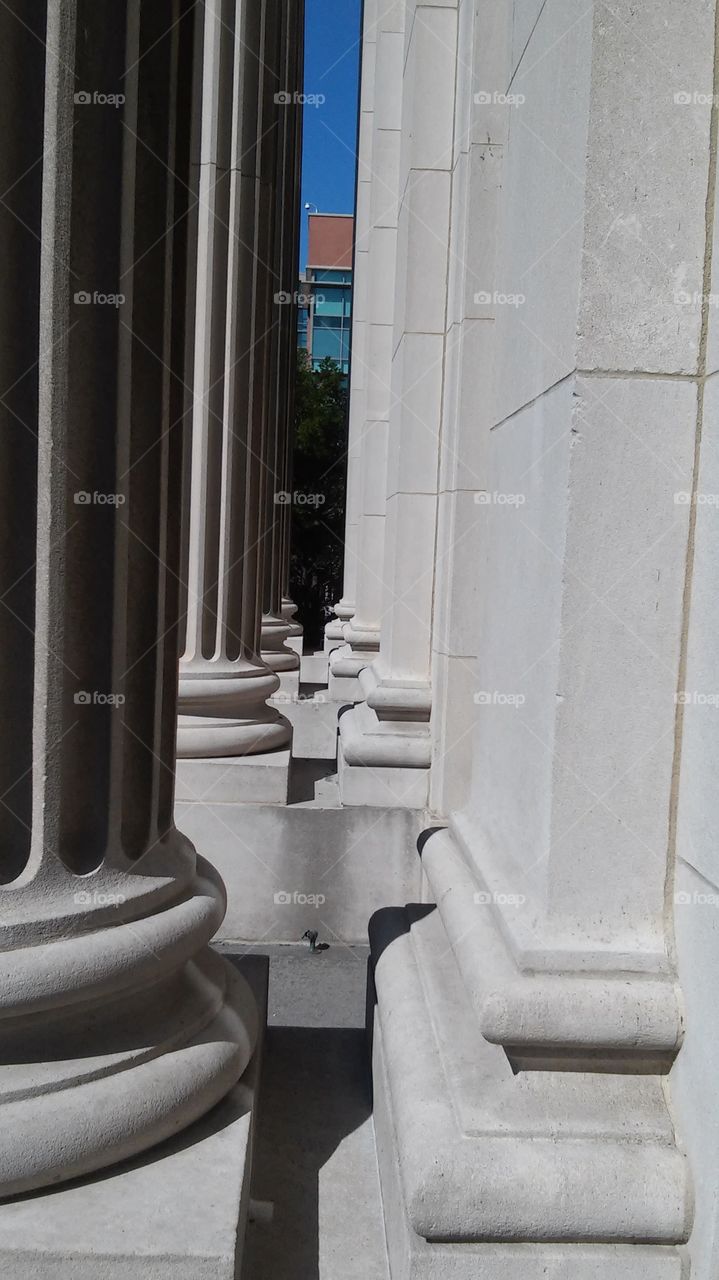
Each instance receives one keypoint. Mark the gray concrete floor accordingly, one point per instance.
(316, 1211)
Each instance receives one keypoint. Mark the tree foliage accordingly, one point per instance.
(318, 509)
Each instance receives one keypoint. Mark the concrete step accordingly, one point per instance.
(327, 793)
(288, 867)
(316, 1212)
(314, 667)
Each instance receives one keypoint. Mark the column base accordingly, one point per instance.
(176, 1213)
(296, 643)
(381, 787)
(335, 629)
(289, 683)
(504, 1174)
(386, 765)
(334, 636)
(345, 665)
(283, 660)
(225, 713)
(295, 637)
(257, 779)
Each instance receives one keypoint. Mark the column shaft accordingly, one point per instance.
(391, 731)
(362, 633)
(344, 609)
(281, 373)
(288, 606)
(223, 683)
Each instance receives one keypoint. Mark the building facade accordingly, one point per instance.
(325, 292)
(520, 683)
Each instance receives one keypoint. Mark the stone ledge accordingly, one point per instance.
(257, 779)
(176, 1213)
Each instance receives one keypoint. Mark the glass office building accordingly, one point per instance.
(325, 290)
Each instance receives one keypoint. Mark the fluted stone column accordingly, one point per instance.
(224, 684)
(345, 608)
(385, 743)
(295, 71)
(286, 79)
(119, 1026)
(362, 632)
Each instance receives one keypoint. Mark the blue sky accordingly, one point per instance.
(332, 29)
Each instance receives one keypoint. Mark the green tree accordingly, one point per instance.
(318, 511)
